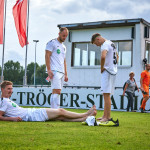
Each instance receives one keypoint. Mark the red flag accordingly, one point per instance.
(1, 20)
(20, 18)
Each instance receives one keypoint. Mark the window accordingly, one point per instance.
(85, 54)
(147, 46)
(124, 49)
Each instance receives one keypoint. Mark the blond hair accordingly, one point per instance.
(5, 83)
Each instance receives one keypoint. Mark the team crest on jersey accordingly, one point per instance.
(13, 105)
(58, 51)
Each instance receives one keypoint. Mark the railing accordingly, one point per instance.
(65, 86)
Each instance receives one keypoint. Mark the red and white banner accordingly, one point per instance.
(1, 20)
(20, 18)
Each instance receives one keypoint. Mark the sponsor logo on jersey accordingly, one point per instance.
(14, 105)
(58, 51)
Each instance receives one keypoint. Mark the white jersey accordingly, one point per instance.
(11, 109)
(111, 57)
(58, 55)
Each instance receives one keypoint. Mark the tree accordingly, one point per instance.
(41, 75)
(30, 72)
(13, 72)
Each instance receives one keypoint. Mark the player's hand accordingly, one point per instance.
(50, 74)
(142, 89)
(66, 78)
(17, 119)
(102, 69)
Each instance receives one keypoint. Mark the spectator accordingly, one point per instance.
(129, 89)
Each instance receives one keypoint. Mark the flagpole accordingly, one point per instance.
(3, 41)
(25, 76)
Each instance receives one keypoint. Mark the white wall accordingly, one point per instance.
(90, 76)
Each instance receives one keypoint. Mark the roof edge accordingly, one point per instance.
(108, 23)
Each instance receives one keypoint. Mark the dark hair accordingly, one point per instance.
(5, 83)
(62, 29)
(146, 65)
(94, 36)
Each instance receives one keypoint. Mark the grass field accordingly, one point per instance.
(132, 134)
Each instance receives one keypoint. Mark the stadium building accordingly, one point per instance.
(131, 37)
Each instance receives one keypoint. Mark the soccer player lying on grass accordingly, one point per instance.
(10, 111)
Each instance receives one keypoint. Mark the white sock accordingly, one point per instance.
(51, 100)
(55, 101)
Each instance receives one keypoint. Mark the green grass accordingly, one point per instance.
(132, 134)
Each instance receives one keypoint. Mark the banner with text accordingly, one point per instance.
(73, 98)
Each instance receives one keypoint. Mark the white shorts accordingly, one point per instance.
(36, 114)
(57, 81)
(107, 82)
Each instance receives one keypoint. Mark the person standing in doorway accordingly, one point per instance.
(55, 57)
(109, 60)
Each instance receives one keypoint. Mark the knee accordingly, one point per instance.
(61, 111)
(56, 91)
(146, 98)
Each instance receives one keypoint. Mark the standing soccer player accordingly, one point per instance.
(56, 65)
(109, 60)
(145, 81)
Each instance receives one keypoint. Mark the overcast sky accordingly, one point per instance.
(45, 15)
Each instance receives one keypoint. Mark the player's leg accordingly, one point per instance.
(104, 86)
(107, 87)
(55, 103)
(72, 120)
(56, 85)
(145, 97)
(62, 113)
(107, 106)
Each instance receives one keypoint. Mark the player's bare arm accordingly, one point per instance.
(47, 61)
(117, 57)
(2, 118)
(141, 83)
(65, 66)
(103, 56)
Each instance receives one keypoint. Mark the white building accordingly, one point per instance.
(131, 37)
(132, 40)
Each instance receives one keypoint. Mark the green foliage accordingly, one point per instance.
(13, 72)
(41, 75)
(30, 72)
(132, 134)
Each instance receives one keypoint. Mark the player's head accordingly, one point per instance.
(97, 39)
(7, 89)
(63, 33)
(147, 66)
